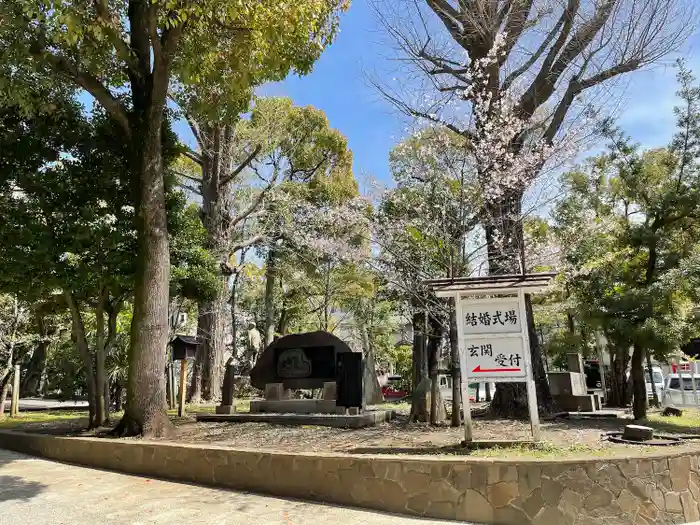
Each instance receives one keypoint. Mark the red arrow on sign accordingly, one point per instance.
(479, 369)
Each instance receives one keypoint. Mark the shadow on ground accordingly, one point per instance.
(15, 487)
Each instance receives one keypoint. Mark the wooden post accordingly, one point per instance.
(171, 379)
(529, 381)
(466, 408)
(14, 407)
(183, 388)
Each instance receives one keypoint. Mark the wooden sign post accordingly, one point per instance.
(183, 347)
(14, 404)
(183, 387)
(494, 344)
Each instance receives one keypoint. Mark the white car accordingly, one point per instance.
(678, 390)
(658, 376)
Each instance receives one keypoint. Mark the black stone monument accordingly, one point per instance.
(300, 361)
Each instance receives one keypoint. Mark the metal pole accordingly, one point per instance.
(183, 387)
(530, 383)
(14, 407)
(468, 428)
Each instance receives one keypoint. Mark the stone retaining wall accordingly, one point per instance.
(658, 490)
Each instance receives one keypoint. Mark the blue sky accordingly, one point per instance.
(339, 87)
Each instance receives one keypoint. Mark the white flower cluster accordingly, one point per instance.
(331, 231)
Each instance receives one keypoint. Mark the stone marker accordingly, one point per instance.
(330, 390)
(227, 405)
(638, 433)
(274, 391)
(299, 361)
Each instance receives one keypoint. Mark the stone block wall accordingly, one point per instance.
(661, 490)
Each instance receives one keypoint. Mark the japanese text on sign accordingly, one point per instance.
(495, 357)
(491, 317)
(498, 317)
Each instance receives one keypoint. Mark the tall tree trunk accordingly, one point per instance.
(505, 247)
(101, 417)
(79, 338)
(210, 330)
(456, 371)
(433, 349)
(216, 218)
(373, 392)
(654, 395)
(145, 408)
(418, 346)
(545, 401)
(31, 382)
(270, 283)
(3, 392)
(639, 387)
(233, 301)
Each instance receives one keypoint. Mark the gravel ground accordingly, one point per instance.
(561, 437)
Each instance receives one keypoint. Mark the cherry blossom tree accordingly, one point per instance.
(521, 81)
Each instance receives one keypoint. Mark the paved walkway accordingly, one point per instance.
(34, 491)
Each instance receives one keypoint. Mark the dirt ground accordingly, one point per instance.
(560, 437)
(573, 438)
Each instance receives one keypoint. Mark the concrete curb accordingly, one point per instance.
(495, 492)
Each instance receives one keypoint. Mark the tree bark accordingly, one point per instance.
(456, 371)
(639, 387)
(211, 331)
(3, 392)
(270, 282)
(215, 153)
(506, 254)
(145, 408)
(101, 417)
(79, 338)
(545, 402)
(434, 339)
(31, 382)
(654, 395)
(418, 345)
(373, 392)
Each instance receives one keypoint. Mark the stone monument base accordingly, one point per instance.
(365, 419)
(296, 406)
(226, 409)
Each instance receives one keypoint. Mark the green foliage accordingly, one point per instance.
(66, 221)
(424, 222)
(220, 50)
(629, 228)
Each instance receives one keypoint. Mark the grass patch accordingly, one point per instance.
(400, 406)
(23, 418)
(688, 423)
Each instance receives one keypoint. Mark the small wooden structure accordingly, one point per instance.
(183, 347)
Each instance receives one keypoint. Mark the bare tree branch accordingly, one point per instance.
(241, 166)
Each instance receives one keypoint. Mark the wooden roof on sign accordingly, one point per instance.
(490, 283)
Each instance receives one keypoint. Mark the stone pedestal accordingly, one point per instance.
(638, 433)
(274, 391)
(330, 390)
(567, 383)
(226, 409)
(575, 363)
(296, 406)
